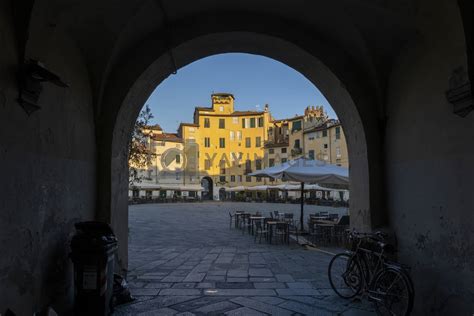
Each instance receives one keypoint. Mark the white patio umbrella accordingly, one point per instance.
(257, 188)
(305, 170)
(235, 189)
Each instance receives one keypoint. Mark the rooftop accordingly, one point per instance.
(169, 137)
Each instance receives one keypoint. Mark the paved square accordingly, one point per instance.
(185, 260)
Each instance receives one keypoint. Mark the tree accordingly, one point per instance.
(139, 153)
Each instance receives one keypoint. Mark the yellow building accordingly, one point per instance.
(327, 142)
(312, 135)
(221, 146)
(230, 143)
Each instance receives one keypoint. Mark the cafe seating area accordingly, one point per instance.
(328, 229)
(273, 227)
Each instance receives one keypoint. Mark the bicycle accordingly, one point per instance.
(366, 270)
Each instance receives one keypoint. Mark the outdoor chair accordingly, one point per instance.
(293, 229)
(246, 223)
(260, 230)
(333, 217)
(231, 217)
(288, 217)
(340, 229)
(315, 232)
(324, 214)
(281, 233)
(277, 215)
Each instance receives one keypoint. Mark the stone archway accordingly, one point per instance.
(208, 188)
(365, 186)
(385, 64)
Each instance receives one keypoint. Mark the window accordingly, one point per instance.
(260, 122)
(248, 179)
(245, 123)
(248, 166)
(221, 109)
(136, 193)
(325, 146)
(221, 142)
(338, 152)
(248, 142)
(338, 132)
(207, 123)
(232, 135)
(258, 141)
(222, 170)
(221, 123)
(259, 179)
(235, 120)
(297, 143)
(318, 134)
(207, 164)
(283, 160)
(178, 159)
(240, 178)
(178, 175)
(271, 151)
(239, 135)
(232, 178)
(207, 142)
(271, 162)
(325, 133)
(258, 164)
(296, 126)
(283, 150)
(311, 138)
(192, 194)
(148, 194)
(252, 122)
(311, 155)
(221, 178)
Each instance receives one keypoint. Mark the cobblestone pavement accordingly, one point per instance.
(185, 260)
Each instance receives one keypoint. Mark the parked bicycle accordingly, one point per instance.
(366, 271)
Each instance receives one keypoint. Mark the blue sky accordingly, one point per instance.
(253, 80)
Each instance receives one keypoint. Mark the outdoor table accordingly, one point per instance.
(254, 218)
(326, 222)
(318, 217)
(327, 225)
(237, 217)
(274, 223)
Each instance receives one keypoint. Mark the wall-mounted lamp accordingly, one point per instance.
(459, 93)
(32, 75)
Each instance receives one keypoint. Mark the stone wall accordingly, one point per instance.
(429, 166)
(48, 174)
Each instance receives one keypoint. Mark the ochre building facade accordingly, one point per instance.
(222, 145)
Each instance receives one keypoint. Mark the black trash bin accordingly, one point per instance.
(93, 248)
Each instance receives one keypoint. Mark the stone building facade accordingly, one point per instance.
(221, 146)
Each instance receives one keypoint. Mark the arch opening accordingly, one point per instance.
(241, 42)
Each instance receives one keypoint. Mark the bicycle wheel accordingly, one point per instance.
(392, 293)
(345, 275)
